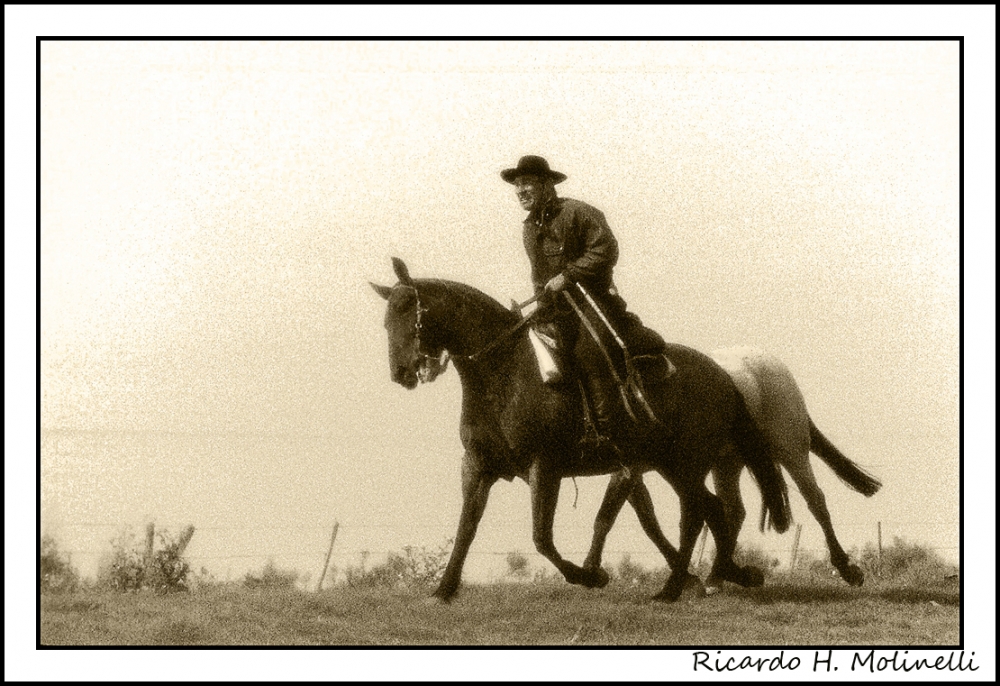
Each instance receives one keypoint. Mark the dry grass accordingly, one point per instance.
(796, 611)
(910, 598)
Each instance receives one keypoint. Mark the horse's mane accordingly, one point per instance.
(468, 300)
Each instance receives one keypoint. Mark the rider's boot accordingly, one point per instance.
(598, 429)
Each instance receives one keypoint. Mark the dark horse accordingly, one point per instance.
(779, 410)
(514, 425)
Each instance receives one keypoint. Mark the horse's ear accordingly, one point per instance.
(384, 291)
(401, 271)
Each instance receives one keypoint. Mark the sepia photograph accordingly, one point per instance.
(561, 343)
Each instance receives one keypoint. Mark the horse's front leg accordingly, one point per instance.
(692, 518)
(727, 487)
(642, 503)
(475, 492)
(544, 498)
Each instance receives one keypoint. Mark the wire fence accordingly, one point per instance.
(311, 542)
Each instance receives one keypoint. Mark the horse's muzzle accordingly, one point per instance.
(405, 377)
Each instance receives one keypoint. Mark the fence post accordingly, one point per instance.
(795, 547)
(701, 550)
(148, 552)
(329, 552)
(182, 542)
(149, 540)
(880, 548)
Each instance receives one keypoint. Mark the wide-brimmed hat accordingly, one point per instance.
(532, 165)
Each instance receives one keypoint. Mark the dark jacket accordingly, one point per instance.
(572, 238)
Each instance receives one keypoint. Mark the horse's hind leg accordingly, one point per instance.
(802, 474)
(727, 487)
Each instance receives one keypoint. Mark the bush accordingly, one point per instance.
(55, 571)
(133, 567)
(517, 565)
(271, 577)
(546, 575)
(204, 579)
(632, 572)
(905, 562)
(755, 556)
(417, 566)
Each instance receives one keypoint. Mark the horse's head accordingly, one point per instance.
(414, 354)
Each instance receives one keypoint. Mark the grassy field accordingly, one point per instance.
(787, 611)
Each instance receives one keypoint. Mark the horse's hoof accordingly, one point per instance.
(753, 577)
(748, 577)
(712, 590)
(590, 578)
(441, 597)
(693, 587)
(853, 575)
(663, 597)
(435, 601)
(671, 593)
(599, 578)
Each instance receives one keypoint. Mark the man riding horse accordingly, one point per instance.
(573, 253)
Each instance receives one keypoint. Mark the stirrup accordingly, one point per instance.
(595, 443)
(592, 438)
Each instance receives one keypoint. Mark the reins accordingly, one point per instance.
(506, 334)
(420, 310)
(497, 341)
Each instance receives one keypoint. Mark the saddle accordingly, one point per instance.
(640, 370)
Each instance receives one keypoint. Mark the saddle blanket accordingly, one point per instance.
(544, 346)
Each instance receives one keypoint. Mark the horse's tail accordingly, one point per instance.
(765, 471)
(849, 472)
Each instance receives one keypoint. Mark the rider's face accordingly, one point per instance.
(530, 191)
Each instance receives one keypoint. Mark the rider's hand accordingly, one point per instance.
(557, 283)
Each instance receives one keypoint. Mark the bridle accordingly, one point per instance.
(422, 355)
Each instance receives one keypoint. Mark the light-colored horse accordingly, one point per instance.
(776, 404)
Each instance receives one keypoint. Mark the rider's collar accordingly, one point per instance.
(546, 211)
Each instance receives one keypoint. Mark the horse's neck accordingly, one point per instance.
(469, 321)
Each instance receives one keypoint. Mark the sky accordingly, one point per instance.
(212, 212)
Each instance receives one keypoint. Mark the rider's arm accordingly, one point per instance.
(600, 248)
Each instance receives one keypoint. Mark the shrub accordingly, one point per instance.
(517, 564)
(632, 572)
(754, 555)
(547, 575)
(55, 571)
(902, 561)
(204, 579)
(386, 574)
(424, 567)
(132, 567)
(168, 571)
(271, 577)
(125, 571)
(416, 566)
